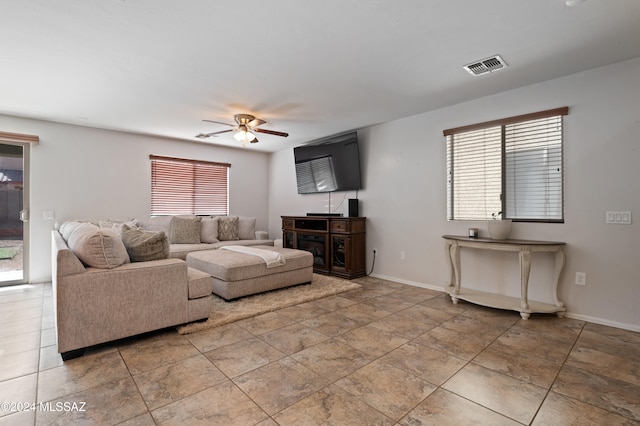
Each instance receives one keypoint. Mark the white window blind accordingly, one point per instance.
(513, 166)
(181, 186)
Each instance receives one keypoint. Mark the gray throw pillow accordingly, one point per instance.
(247, 228)
(143, 246)
(185, 231)
(97, 248)
(228, 228)
(209, 230)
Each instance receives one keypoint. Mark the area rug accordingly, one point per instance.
(227, 312)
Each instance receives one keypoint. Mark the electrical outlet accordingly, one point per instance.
(581, 278)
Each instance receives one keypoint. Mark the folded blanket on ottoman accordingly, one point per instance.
(270, 257)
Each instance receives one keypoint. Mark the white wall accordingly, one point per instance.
(81, 172)
(404, 195)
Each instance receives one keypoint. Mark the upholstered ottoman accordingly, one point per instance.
(237, 274)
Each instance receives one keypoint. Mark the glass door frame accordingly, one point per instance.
(25, 208)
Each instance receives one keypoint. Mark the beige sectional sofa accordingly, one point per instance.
(115, 279)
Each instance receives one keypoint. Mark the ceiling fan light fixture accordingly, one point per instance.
(244, 136)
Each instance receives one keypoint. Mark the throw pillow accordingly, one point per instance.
(209, 230)
(156, 223)
(228, 228)
(98, 248)
(247, 228)
(185, 231)
(143, 246)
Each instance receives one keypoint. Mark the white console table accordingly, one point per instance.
(453, 244)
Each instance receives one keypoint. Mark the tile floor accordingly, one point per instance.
(388, 354)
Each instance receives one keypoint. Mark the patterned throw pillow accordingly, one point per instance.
(185, 231)
(228, 228)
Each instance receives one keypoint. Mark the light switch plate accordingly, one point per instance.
(618, 218)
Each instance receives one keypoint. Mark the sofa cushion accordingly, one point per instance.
(98, 248)
(185, 231)
(228, 228)
(158, 223)
(246, 228)
(143, 246)
(200, 283)
(209, 230)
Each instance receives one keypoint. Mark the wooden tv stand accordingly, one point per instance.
(338, 244)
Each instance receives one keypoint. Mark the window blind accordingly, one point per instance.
(182, 186)
(513, 166)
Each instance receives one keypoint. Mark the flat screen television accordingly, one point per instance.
(328, 166)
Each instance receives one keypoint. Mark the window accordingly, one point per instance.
(513, 166)
(180, 186)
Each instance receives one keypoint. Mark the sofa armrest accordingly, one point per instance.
(101, 305)
(262, 235)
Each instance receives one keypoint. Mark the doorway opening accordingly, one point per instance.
(12, 213)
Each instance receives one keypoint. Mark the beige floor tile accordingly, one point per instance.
(461, 336)
(333, 303)
(387, 303)
(331, 324)
(80, 374)
(50, 358)
(415, 294)
(108, 404)
(21, 418)
(218, 337)
(244, 356)
(363, 313)
(332, 359)
(388, 389)
(600, 363)
(609, 340)
(15, 315)
(522, 354)
(371, 340)
(444, 303)
(303, 311)
(143, 420)
(148, 353)
(48, 337)
(331, 407)
(293, 338)
(609, 394)
(19, 343)
(424, 362)
(18, 364)
(280, 384)
(264, 323)
(448, 409)
(21, 390)
(561, 410)
(223, 404)
(14, 328)
(506, 395)
(403, 324)
(172, 382)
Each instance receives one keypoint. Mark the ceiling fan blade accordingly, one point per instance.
(255, 140)
(219, 122)
(271, 132)
(206, 135)
(256, 122)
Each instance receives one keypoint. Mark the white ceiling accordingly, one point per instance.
(310, 68)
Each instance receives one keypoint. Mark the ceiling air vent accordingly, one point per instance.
(485, 66)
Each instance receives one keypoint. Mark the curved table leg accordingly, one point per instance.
(525, 269)
(557, 273)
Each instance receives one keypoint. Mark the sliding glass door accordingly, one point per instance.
(13, 213)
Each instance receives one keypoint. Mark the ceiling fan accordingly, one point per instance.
(245, 128)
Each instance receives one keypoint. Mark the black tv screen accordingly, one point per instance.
(329, 166)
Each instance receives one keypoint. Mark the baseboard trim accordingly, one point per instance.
(572, 315)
